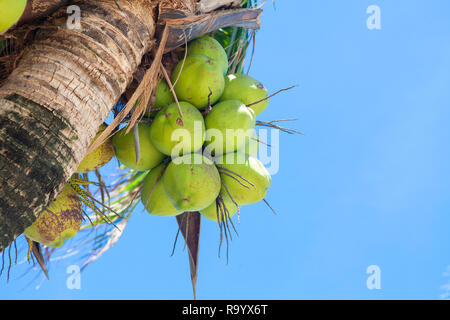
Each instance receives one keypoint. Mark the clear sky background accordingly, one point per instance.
(368, 183)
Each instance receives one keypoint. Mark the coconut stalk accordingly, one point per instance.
(64, 86)
(189, 224)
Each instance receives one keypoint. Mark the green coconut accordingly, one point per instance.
(125, 152)
(98, 157)
(245, 177)
(211, 48)
(213, 211)
(228, 125)
(246, 89)
(174, 135)
(10, 13)
(61, 220)
(192, 182)
(199, 75)
(163, 96)
(153, 187)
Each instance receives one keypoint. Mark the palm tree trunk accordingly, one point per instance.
(54, 101)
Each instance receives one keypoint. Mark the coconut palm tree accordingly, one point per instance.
(66, 78)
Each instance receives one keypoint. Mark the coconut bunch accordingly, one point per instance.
(199, 146)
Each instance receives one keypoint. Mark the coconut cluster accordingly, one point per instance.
(201, 150)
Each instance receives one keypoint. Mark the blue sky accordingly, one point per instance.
(368, 183)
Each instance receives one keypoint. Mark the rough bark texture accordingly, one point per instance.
(54, 101)
(210, 5)
(38, 9)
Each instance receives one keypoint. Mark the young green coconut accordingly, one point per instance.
(228, 125)
(192, 182)
(163, 96)
(244, 177)
(246, 89)
(125, 151)
(10, 13)
(98, 157)
(61, 220)
(210, 47)
(199, 80)
(174, 135)
(153, 195)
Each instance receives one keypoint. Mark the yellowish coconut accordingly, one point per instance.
(61, 220)
(98, 157)
(10, 13)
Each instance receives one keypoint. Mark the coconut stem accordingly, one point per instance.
(166, 76)
(273, 94)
